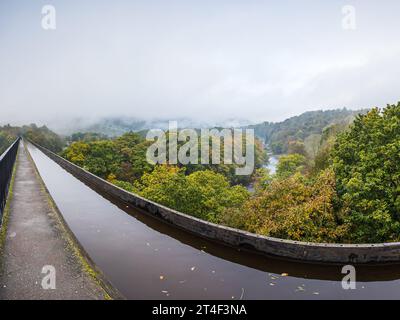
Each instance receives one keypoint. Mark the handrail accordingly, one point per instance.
(7, 161)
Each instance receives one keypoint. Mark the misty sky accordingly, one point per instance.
(205, 60)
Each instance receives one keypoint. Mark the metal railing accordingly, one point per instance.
(7, 161)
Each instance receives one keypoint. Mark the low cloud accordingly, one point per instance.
(204, 61)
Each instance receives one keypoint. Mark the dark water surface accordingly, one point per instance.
(148, 259)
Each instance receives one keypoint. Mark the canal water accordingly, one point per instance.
(148, 259)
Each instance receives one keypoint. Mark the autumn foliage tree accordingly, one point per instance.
(292, 208)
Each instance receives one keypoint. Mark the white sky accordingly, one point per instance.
(204, 60)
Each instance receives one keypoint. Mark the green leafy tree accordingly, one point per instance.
(41, 135)
(123, 157)
(203, 194)
(77, 153)
(86, 137)
(262, 178)
(289, 165)
(5, 141)
(44, 137)
(366, 160)
(211, 194)
(166, 185)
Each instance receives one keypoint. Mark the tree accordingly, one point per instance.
(166, 185)
(292, 208)
(77, 153)
(44, 137)
(211, 194)
(124, 157)
(366, 160)
(289, 165)
(102, 159)
(262, 178)
(5, 141)
(312, 144)
(87, 136)
(296, 146)
(203, 194)
(133, 164)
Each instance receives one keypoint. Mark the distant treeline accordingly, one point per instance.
(124, 158)
(5, 141)
(41, 135)
(307, 128)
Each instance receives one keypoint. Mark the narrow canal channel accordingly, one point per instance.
(148, 259)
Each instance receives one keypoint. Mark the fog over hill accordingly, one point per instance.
(202, 60)
(278, 134)
(115, 126)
